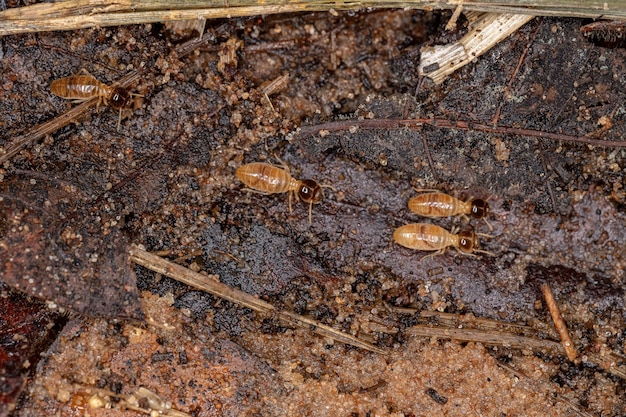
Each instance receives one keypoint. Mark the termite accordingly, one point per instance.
(428, 237)
(443, 205)
(265, 178)
(84, 87)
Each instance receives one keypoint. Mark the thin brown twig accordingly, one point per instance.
(452, 124)
(559, 323)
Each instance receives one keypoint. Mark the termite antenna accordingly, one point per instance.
(283, 165)
(467, 253)
(119, 120)
(328, 186)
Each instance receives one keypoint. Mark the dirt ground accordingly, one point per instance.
(326, 95)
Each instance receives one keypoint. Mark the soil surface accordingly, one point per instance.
(329, 96)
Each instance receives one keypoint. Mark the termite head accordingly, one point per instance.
(310, 192)
(480, 208)
(119, 97)
(468, 242)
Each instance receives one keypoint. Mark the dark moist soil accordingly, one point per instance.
(73, 202)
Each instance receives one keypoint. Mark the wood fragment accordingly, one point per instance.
(487, 337)
(212, 285)
(185, 28)
(276, 85)
(437, 62)
(81, 14)
(559, 323)
(470, 321)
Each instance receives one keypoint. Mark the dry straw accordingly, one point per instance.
(80, 14)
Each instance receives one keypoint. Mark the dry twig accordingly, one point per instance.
(332, 127)
(212, 285)
(81, 14)
(559, 323)
(487, 337)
